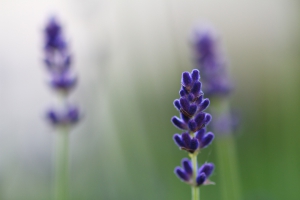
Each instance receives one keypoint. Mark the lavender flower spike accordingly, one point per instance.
(191, 104)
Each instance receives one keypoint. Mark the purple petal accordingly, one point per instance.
(177, 139)
(195, 75)
(200, 134)
(204, 104)
(181, 174)
(201, 179)
(187, 166)
(186, 138)
(179, 123)
(186, 79)
(206, 140)
(194, 144)
(192, 109)
(192, 125)
(208, 118)
(177, 104)
(196, 90)
(184, 104)
(207, 168)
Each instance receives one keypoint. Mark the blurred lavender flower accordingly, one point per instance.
(211, 62)
(65, 117)
(58, 62)
(186, 173)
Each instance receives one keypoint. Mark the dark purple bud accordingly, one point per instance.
(186, 79)
(207, 118)
(185, 119)
(199, 119)
(194, 144)
(177, 139)
(182, 93)
(53, 117)
(63, 82)
(186, 138)
(196, 90)
(177, 104)
(206, 140)
(199, 100)
(179, 123)
(73, 114)
(200, 134)
(201, 179)
(192, 125)
(187, 166)
(207, 168)
(191, 97)
(192, 110)
(204, 105)
(181, 174)
(195, 75)
(184, 104)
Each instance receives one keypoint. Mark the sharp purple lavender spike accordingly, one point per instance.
(192, 120)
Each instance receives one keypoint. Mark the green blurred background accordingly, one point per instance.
(129, 56)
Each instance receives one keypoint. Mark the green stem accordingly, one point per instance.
(61, 165)
(195, 189)
(226, 154)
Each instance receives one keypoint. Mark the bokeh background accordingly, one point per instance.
(129, 56)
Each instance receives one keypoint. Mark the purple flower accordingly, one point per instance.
(191, 144)
(65, 117)
(191, 104)
(185, 173)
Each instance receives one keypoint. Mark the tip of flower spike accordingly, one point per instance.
(195, 74)
(186, 79)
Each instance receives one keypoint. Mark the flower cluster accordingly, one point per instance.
(210, 61)
(58, 61)
(193, 121)
(186, 173)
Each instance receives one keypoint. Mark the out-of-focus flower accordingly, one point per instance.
(211, 62)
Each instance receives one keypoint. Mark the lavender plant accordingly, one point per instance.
(58, 61)
(211, 61)
(193, 121)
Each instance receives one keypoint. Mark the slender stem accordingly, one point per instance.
(61, 165)
(195, 189)
(226, 154)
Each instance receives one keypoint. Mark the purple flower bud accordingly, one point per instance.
(206, 140)
(176, 103)
(186, 172)
(186, 80)
(204, 173)
(68, 116)
(179, 123)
